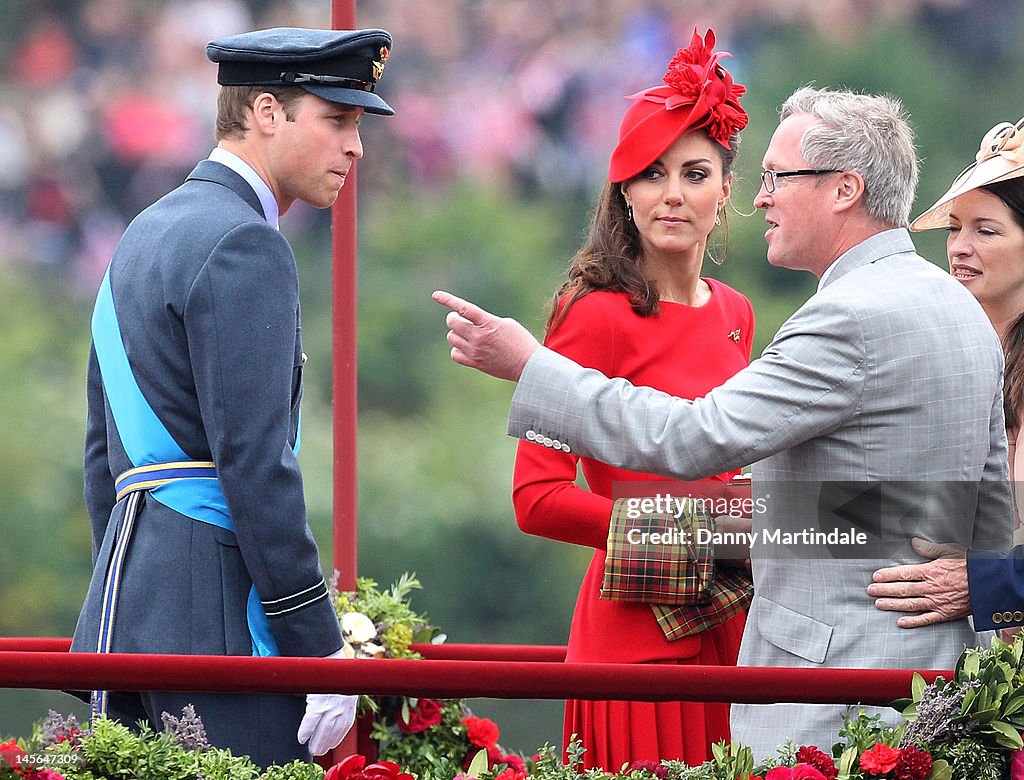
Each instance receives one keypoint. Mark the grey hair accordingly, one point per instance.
(869, 134)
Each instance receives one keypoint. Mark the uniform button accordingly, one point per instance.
(565, 447)
(531, 435)
(997, 618)
(1007, 616)
(546, 441)
(556, 444)
(305, 357)
(1018, 616)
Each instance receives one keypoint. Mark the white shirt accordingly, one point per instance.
(825, 273)
(260, 187)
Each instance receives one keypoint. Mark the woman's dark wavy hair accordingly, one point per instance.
(1011, 192)
(611, 257)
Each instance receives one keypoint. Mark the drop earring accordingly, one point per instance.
(629, 212)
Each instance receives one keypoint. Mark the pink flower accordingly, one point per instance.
(1017, 765)
(798, 772)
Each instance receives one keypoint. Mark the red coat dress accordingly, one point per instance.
(685, 351)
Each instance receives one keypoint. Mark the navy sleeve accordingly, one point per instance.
(241, 319)
(996, 586)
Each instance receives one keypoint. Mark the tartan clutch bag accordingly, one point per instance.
(656, 557)
(731, 593)
(666, 560)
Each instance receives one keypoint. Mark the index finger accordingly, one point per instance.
(904, 573)
(461, 306)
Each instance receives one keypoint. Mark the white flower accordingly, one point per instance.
(372, 650)
(357, 628)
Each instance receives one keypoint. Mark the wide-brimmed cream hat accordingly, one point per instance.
(1000, 157)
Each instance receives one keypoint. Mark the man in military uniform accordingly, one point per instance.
(200, 538)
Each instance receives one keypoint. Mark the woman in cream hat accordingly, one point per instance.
(983, 211)
(635, 305)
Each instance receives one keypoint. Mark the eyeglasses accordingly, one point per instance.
(769, 178)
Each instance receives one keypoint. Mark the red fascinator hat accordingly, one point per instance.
(697, 93)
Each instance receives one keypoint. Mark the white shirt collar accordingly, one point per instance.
(825, 274)
(260, 187)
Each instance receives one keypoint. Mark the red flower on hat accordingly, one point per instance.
(697, 93)
(701, 84)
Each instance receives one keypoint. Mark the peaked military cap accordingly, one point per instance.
(342, 66)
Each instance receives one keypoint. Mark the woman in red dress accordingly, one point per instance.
(635, 306)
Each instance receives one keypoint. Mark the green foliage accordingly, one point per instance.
(860, 731)
(397, 624)
(970, 758)
(296, 770)
(732, 761)
(433, 752)
(220, 764)
(111, 751)
(478, 241)
(785, 755)
(983, 702)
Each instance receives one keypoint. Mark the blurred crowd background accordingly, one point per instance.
(108, 103)
(482, 183)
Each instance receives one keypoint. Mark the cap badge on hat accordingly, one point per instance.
(379, 63)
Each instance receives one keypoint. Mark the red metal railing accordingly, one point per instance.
(455, 671)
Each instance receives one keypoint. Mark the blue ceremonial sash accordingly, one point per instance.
(161, 468)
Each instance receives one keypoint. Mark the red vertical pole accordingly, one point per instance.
(343, 332)
(343, 264)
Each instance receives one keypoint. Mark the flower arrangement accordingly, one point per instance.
(439, 740)
(380, 623)
(967, 727)
(430, 738)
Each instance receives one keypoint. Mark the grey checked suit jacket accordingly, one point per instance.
(877, 405)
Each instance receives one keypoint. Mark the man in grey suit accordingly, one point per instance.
(200, 539)
(876, 410)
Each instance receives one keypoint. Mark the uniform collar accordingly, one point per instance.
(260, 187)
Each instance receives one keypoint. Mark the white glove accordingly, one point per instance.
(328, 717)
